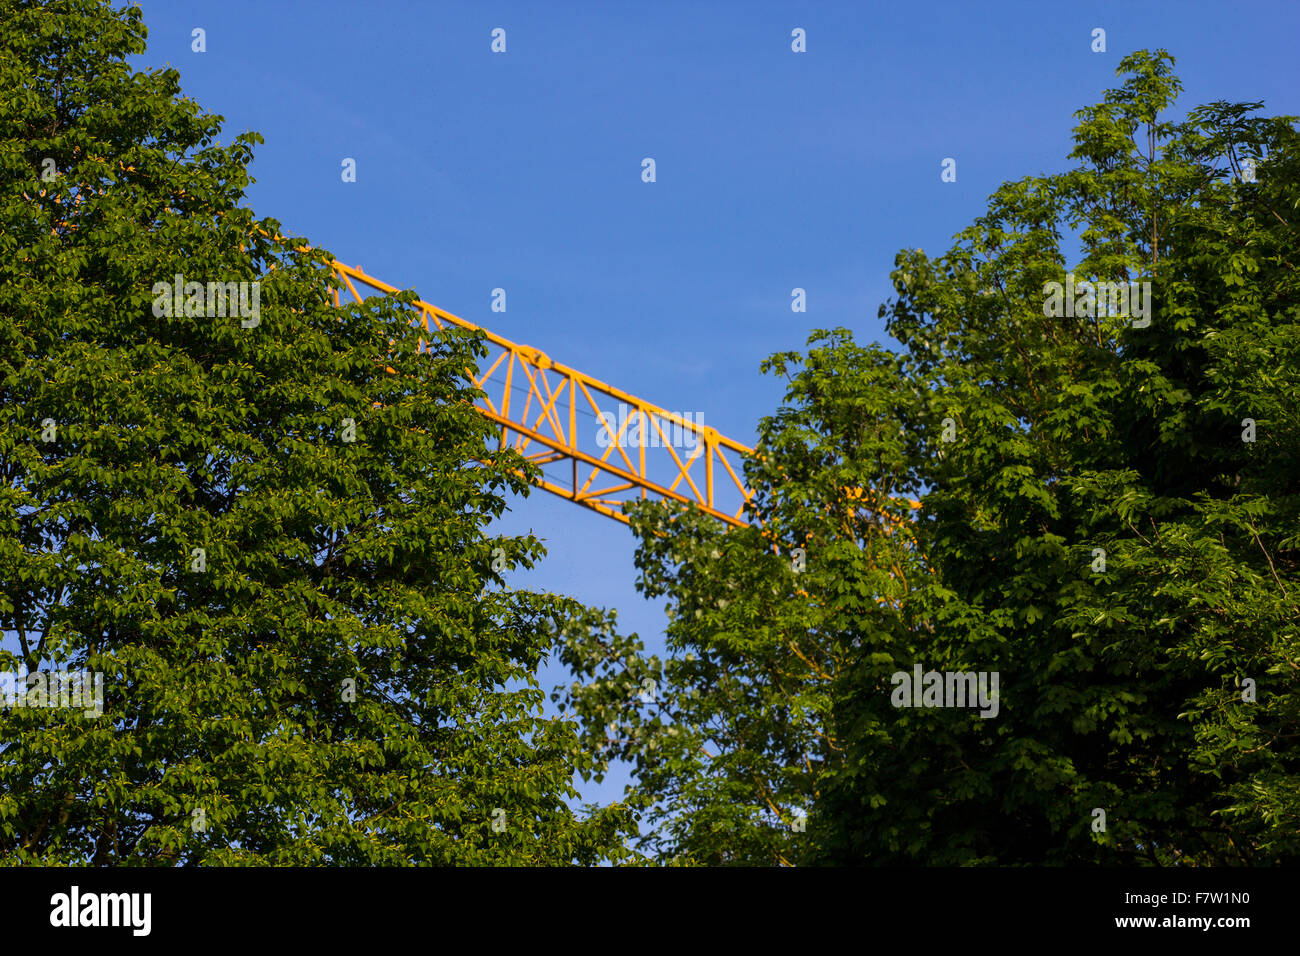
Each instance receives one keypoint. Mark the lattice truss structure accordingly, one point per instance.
(597, 445)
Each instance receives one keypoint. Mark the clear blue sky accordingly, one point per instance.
(775, 169)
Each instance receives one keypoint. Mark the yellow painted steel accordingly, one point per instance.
(551, 414)
(560, 411)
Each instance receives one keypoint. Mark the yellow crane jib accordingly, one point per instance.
(597, 445)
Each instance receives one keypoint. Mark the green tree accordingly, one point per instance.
(1109, 520)
(264, 527)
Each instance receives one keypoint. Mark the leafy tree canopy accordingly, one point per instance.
(1109, 521)
(264, 527)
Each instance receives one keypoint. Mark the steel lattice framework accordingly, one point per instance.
(587, 453)
(597, 445)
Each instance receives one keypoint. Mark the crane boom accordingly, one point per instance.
(565, 421)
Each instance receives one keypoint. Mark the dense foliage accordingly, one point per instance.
(264, 527)
(1109, 521)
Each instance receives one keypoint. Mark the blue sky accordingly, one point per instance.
(775, 169)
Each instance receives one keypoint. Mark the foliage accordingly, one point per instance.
(267, 533)
(1034, 440)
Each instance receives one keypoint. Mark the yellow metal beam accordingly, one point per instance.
(637, 450)
(568, 413)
